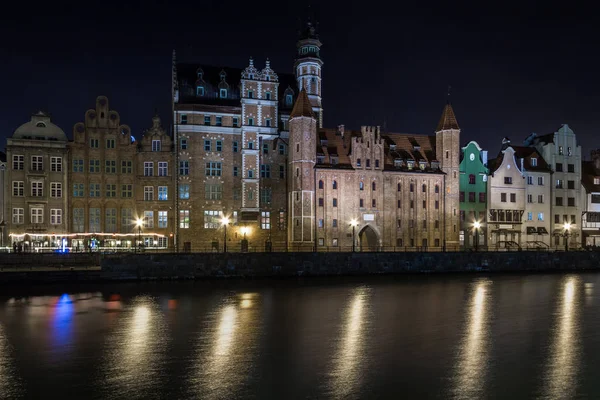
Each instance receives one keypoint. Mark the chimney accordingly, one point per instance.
(484, 156)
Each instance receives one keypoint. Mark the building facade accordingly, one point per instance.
(590, 220)
(473, 196)
(36, 180)
(3, 228)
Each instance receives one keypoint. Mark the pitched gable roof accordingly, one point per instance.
(448, 119)
(302, 108)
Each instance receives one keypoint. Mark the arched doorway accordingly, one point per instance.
(368, 240)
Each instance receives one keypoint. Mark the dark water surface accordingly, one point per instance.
(446, 337)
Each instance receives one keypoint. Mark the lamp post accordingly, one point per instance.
(139, 222)
(225, 221)
(476, 225)
(354, 224)
(567, 227)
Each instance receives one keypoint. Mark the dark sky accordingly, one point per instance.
(513, 71)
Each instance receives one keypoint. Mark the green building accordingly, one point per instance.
(473, 196)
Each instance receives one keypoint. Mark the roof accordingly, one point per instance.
(40, 127)
(527, 153)
(2, 157)
(588, 173)
(302, 108)
(448, 119)
(188, 80)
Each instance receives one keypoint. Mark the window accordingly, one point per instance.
(334, 242)
(533, 162)
(110, 220)
(219, 121)
(571, 168)
(110, 166)
(148, 219)
(18, 188)
(268, 96)
(503, 197)
(18, 216)
(358, 162)
(250, 93)
(235, 122)
(399, 187)
(219, 145)
(77, 165)
(471, 197)
(559, 183)
(250, 174)
(212, 219)
(560, 150)
(94, 143)
(250, 145)
(540, 180)
(207, 120)
(508, 180)
(288, 100)
(37, 215)
(437, 204)
(18, 163)
(361, 185)
(235, 171)
(184, 191)
(235, 147)
(184, 219)
(571, 201)
(56, 189)
(376, 163)
(213, 191)
(373, 203)
(281, 172)
(162, 219)
(482, 197)
(127, 191)
(368, 161)
(530, 198)
(78, 220)
(148, 193)
(183, 144)
(596, 181)
(162, 168)
(461, 197)
(156, 145)
(56, 164)
(530, 180)
(320, 202)
(265, 220)
(529, 216)
(148, 168)
(281, 149)
(335, 202)
(207, 145)
(250, 121)
(78, 190)
(110, 143)
(334, 223)
(412, 188)
(540, 216)
(513, 197)
(184, 119)
(361, 203)
(199, 90)
(559, 201)
(163, 193)
(126, 167)
(559, 167)
(571, 184)
(424, 204)
(399, 203)
(320, 223)
(569, 152)
(471, 179)
(540, 198)
(37, 189)
(94, 190)
(265, 195)
(265, 171)
(572, 219)
(184, 168)
(268, 122)
(36, 163)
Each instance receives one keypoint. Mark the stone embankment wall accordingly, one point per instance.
(212, 265)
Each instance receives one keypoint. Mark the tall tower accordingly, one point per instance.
(301, 176)
(308, 68)
(447, 138)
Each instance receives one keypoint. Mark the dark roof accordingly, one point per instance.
(527, 153)
(588, 173)
(302, 108)
(448, 119)
(187, 80)
(2, 157)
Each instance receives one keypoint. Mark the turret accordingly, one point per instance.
(308, 68)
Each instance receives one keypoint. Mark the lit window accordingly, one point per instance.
(212, 219)
(163, 193)
(200, 91)
(184, 219)
(223, 93)
(265, 220)
(162, 219)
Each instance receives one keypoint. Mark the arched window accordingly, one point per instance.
(200, 91)
(223, 93)
(374, 186)
(471, 179)
(424, 188)
(335, 184)
(361, 185)
(437, 188)
(288, 100)
(320, 184)
(297, 172)
(399, 186)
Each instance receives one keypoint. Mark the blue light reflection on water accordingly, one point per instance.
(62, 321)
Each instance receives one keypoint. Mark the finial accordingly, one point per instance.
(251, 62)
(449, 88)
(268, 63)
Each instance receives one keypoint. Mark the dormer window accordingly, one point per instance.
(392, 147)
(596, 181)
(156, 145)
(288, 99)
(422, 165)
(223, 93)
(199, 74)
(320, 159)
(267, 78)
(534, 162)
(200, 91)
(411, 164)
(251, 76)
(40, 125)
(397, 162)
(334, 160)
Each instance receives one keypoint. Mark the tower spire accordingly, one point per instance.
(448, 97)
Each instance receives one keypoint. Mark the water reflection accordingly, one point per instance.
(9, 385)
(563, 366)
(348, 362)
(469, 380)
(136, 349)
(224, 365)
(62, 320)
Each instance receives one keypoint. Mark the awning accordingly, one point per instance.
(541, 230)
(531, 230)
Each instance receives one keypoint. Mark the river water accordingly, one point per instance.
(446, 337)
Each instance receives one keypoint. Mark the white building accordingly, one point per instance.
(506, 200)
(590, 180)
(3, 230)
(563, 154)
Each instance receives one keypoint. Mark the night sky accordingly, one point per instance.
(513, 71)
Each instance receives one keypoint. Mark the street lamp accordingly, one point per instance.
(567, 227)
(354, 224)
(139, 222)
(476, 225)
(225, 221)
